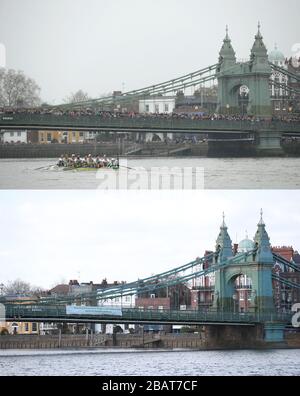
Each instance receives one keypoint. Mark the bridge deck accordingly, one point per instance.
(140, 123)
(38, 313)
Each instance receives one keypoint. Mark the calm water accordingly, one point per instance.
(176, 363)
(244, 173)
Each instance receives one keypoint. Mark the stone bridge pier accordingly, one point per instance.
(237, 336)
(268, 143)
(241, 336)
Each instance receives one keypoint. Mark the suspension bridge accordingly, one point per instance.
(228, 75)
(257, 264)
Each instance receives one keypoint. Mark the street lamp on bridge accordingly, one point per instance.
(227, 107)
(235, 298)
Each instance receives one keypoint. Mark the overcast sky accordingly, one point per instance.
(105, 45)
(50, 236)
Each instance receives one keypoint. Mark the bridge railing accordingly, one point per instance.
(15, 312)
(168, 123)
(197, 316)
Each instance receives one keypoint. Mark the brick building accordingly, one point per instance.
(285, 296)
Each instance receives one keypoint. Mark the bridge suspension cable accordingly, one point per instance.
(282, 260)
(285, 87)
(286, 281)
(158, 281)
(286, 72)
(137, 287)
(129, 286)
(171, 278)
(164, 87)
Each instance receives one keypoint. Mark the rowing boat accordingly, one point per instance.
(84, 169)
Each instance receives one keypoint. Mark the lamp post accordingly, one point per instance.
(227, 107)
(234, 297)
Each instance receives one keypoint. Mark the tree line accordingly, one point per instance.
(19, 91)
(19, 288)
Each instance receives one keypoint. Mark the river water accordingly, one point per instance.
(225, 173)
(153, 363)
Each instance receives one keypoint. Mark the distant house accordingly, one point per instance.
(16, 327)
(46, 137)
(60, 290)
(14, 137)
(157, 105)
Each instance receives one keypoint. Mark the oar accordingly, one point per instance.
(127, 167)
(45, 167)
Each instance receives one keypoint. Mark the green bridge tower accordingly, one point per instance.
(257, 267)
(253, 76)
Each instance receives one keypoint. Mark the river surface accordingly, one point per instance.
(136, 363)
(235, 173)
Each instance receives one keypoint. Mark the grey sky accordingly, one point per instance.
(47, 236)
(99, 45)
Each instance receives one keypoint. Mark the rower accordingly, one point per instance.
(61, 161)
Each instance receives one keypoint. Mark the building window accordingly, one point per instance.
(147, 108)
(49, 137)
(26, 327)
(166, 108)
(152, 295)
(34, 326)
(81, 134)
(19, 133)
(156, 108)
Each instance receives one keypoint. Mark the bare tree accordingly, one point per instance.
(17, 90)
(76, 97)
(19, 287)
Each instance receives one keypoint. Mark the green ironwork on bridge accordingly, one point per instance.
(141, 123)
(57, 313)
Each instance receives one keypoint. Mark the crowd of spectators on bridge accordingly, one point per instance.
(87, 112)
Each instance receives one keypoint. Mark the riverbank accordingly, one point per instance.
(211, 149)
(136, 341)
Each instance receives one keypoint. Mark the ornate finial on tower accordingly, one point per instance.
(227, 37)
(258, 31)
(247, 236)
(261, 222)
(223, 223)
